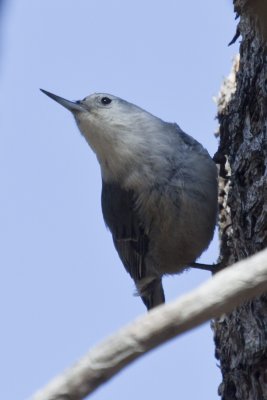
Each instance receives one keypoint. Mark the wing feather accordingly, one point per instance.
(130, 240)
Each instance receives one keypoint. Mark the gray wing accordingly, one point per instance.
(130, 240)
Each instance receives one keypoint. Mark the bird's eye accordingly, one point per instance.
(105, 100)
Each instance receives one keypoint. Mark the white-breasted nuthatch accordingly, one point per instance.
(159, 188)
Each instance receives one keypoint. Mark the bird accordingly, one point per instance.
(159, 189)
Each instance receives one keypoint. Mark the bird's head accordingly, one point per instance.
(118, 132)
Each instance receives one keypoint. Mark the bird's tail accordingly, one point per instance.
(152, 293)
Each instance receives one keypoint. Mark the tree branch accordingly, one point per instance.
(220, 294)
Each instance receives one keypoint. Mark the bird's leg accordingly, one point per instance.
(207, 267)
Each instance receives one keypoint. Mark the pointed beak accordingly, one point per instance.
(70, 105)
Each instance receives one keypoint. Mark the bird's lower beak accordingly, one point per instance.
(70, 105)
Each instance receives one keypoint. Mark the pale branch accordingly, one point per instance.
(219, 295)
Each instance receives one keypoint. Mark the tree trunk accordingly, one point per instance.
(241, 337)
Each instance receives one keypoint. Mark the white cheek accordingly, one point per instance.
(103, 141)
(88, 129)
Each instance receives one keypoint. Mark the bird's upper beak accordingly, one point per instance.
(70, 105)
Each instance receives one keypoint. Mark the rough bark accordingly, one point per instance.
(241, 337)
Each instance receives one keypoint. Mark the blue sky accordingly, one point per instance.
(63, 287)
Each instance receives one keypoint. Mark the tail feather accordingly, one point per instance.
(152, 294)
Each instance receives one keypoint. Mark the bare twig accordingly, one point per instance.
(220, 294)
